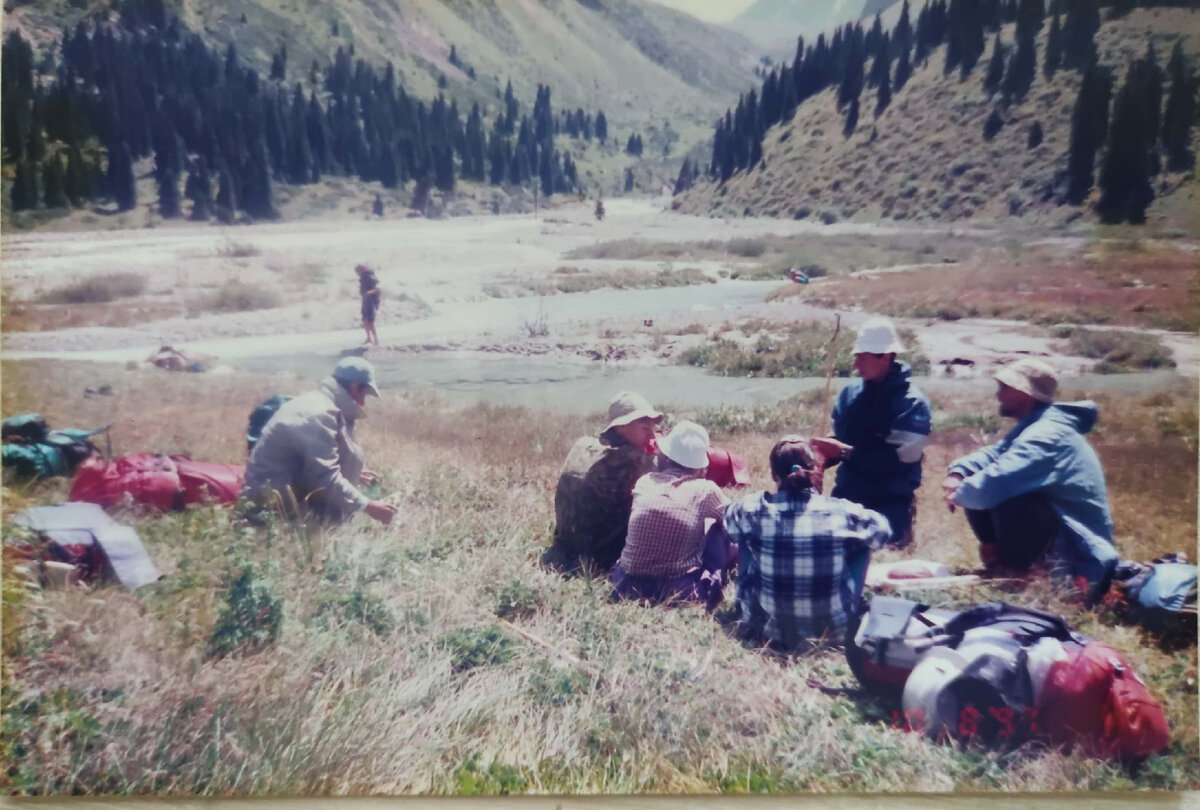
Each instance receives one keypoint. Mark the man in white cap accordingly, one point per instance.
(595, 487)
(884, 422)
(670, 553)
(1040, 491)
(308, 452)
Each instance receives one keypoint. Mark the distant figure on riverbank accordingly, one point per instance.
(599, 210)
(377, 206)
(368, 288)
(307, 453)
(595, 489)
(1040, 492)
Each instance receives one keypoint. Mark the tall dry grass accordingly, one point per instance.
(435, 656)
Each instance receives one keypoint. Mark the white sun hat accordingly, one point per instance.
(687, 445)
(878, 336)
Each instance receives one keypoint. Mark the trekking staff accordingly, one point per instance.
(308, 449)
(368, 288)
(670, 553)
(883, 423)
(1040, 491)
(802, 556)
(595, 488)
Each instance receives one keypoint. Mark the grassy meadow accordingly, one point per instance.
(435, 657)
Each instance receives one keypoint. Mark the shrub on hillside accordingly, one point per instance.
(251, 615)
(747, 248)
(97, 289)
(1120, 350)
(238, 296)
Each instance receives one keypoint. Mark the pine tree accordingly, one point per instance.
(1035, 137)
(851, 119)
(24, 188)
(1125, 168)
(1079, 33)
(1180, 113)
(601, 126)
(227, 202)
(883, 96)
(903, 71)
(1052, 61)
(77, 183)
(168, 195)
(198, 189)
(53, 174)
(1022, 68)
(995, 71)
(852, 75)
(124, 187)
(992, 125)
(1089, 127)
(684, 180)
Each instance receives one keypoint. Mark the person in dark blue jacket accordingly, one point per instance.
(1040, 492)
(885, 421)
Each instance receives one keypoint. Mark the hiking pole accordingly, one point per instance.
(826, 428)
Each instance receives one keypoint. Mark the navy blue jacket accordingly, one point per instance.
(887, 422)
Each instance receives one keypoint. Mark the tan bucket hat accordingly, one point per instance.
(1030, 376)
(628, 407)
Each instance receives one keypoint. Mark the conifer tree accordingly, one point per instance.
(198, 189)
(1022, 68)
(601, 126)
(903, 71)
(628, 180)
(1035, 137)
(1079, 33)
(77, 182)
(851, 119)
(227, 202)
(24, 188)
(992, 125)
(1125, 168)
(1180, 113)
(168, 194)
(684, 180)
(1089, 126)
(852, 73)
(902, 35)
(124, 189)
(53, 173)
(883, 95)
(1052, 61)
(995, 70)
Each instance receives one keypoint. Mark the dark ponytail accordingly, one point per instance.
(793, 464)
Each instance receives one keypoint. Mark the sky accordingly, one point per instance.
(714, 11)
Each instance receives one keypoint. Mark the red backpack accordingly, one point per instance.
(1094, 698)
(165, 483)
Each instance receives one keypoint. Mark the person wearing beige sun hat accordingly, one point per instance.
(595, 488)
(1040, 492)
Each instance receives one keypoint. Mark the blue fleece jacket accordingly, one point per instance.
(887, 422)
(1046, 452)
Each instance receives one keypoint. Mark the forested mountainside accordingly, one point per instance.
(988, 108)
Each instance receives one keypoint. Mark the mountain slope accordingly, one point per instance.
(636, 61)
(776, 23)
(925, 157)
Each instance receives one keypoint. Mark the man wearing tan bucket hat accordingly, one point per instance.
(1040, 492)
(595, 488)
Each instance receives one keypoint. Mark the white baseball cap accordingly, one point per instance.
(878, 336)
(687, 445)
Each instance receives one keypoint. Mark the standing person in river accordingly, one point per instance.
(368, 288)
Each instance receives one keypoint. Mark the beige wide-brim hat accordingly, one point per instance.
(628, 407)
(686, 445)
(1032, 377)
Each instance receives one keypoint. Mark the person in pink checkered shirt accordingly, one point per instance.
(675, 549)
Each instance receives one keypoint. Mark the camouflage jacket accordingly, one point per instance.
(593, 500)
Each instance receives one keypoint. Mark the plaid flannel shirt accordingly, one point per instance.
(666, 525)
(791, 572)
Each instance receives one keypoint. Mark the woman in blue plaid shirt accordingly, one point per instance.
(803, 556)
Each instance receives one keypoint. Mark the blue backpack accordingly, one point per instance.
(259, 418)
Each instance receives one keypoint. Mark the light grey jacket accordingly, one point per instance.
(309, 446)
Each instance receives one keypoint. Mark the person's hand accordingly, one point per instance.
(830, 449)
(381, 511)
(949, 487)
(367, 478)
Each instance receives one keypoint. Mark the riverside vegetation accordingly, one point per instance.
(434, 656)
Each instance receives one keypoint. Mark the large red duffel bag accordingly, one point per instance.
(161, 482)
